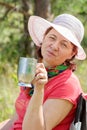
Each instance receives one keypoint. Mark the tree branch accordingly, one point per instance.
(14, 8)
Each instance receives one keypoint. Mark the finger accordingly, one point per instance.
(41, 76)
(41, 82)
(40, 69)
(40, 65)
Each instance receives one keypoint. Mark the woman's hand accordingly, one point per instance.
(41, 77)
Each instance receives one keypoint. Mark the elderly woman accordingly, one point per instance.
(53, 101)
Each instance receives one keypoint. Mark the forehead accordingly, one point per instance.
(57, 34)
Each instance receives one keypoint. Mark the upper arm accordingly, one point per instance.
(55, 110)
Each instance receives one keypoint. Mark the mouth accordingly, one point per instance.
(50, 53)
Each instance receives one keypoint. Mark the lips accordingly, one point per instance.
(49, 52)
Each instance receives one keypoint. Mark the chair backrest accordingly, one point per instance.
(80, 121)
(85, 96)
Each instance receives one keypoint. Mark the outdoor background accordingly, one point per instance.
(15, 41)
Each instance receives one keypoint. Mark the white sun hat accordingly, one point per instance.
(67, 25)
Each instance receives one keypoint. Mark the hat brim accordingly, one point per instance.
(37, 27)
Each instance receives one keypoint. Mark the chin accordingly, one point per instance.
(48, 64)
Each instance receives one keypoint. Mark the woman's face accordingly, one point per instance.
(56, 49)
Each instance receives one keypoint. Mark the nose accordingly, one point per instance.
(55, 46)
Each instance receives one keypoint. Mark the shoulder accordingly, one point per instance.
(65, 86)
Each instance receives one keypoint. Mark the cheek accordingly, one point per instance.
(68, 55)
(65, 54)
(43, 49)
(44, 46)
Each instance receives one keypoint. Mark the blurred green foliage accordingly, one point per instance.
(13, 41)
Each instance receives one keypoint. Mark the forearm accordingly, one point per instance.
(34, 118)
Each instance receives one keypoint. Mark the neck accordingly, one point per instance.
(48, 65)
(54, 71)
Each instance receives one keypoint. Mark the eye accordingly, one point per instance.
(51, 37)
(64, 44)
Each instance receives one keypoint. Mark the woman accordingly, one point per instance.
(52, 101)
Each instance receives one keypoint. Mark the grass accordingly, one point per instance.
(9, 89)
(8, 93)
(8, 96)
(82, 74)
